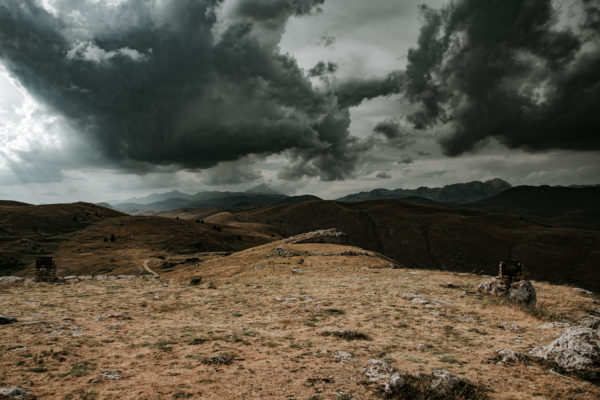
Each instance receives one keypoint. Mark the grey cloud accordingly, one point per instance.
(352, 92)
(230, 173)
(327, 40)
(394, 132)
(155, 86)
(322, 68)
(498, 69)
(383, 175)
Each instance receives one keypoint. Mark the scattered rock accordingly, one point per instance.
(582, 291)
(522, 292)
(342, 356)
(4, 320)
(219, 359)
(423, 346)
(15, 393)
(299, 271)
(507, 326)
(438, 385)
(576, 350)
(417, 300)
(10, 279)
(590, 321)
(112, 316)
(554, 324)
(112, 375)
(348, 334)
(503, 357)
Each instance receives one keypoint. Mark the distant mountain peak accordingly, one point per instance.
(263, 188)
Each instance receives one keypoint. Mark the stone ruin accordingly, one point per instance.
(45, 269)
(510, 283)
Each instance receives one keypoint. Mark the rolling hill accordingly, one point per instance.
(577, 207)
(459, 193)
(424, 236)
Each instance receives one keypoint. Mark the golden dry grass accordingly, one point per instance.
(251, 309)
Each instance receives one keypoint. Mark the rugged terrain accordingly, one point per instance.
(264, 323)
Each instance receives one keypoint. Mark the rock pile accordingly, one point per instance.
(510, 284)
(577, 350)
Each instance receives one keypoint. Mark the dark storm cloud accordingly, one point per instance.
(395, 134)
(500, 69)
(383, 175)
(322, 68)
(352, 92)
(152, 83)
(389, 128)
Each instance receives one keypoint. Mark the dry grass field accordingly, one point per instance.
(253, 329)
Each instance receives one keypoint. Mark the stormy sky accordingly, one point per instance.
(111, 99)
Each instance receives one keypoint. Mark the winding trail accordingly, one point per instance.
(147, 268)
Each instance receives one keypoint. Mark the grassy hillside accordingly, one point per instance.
(422, 236)
(254, 329)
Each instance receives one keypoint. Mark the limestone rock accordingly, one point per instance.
(494, 287)
(342, 356)
(332, 236)
(444, 382)
(15, 393)
(576, 350)
(522, 292)
(502, 357)
(10, 279)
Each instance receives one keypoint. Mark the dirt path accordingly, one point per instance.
(147, 268)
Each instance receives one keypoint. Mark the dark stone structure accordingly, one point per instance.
(45, 269)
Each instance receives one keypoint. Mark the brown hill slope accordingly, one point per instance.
(421, 236)
(167, 242)
(253, 329)
(51, 219)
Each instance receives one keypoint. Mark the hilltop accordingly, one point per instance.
(438, 237)
(282, 320)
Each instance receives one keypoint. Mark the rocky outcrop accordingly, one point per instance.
(332, 236)
(438, 385)
(520, 292)
(576, 350)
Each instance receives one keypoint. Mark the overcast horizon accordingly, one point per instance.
(117, 99)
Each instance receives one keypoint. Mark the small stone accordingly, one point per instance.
(11, 279)
(582, 291)
(444, 381)
(554, 324)
(4, 320)
(112, 375)
(342, 355)
(378, 370)
(502, 357)
(417, 300)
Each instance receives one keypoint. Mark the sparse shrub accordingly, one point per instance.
(180, 394)
(347, 334)
(197, 341)
(211, 285)
(219, 359)
(112, 237)
(195, 280)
